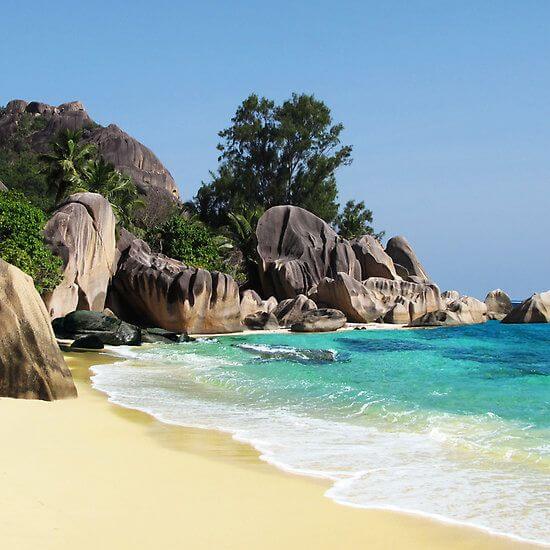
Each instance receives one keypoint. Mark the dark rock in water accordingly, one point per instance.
(31, 364)
(320, 320)
(109, 330)
(90, 341)
(292, 310)
(405, 260)
(498, 304)
(284, 353)
(297, 250)
(535, 309)
(161, 336)
(261, 320)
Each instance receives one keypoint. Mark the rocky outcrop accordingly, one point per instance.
(373, 259)
(126, 153)
(405, 260)
(251, 303)
(297, 250)
(320, 320)
(535, 309)
(31, 364)
(151, 289)
(377, 298)
(292, 310)
(108, 329)
(464, 311)
(261, 320)
(498, 304)
(449, 296)
(82, 233)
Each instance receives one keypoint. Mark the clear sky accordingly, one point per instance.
(446, 103)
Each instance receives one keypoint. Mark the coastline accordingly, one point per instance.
(93, 474)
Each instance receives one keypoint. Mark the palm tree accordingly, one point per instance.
(243, 231)
(66, 162)
(120, 190)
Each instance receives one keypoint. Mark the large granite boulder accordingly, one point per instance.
(261, 320)
(126, 153)
(405, 260)
(292, 310)
(31, 364)
(320, 320)
(82, 233)
(377, 298)
(108, 329)
(464, 311)
(251, 303)
(151, 289)
(535, 309)
(498, 304)
(373, 259)
(297, 250)
(449, 296)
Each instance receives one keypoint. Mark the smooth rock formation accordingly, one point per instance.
(535, 309)
(82, 233)
(320, 320)
(109, 330)
(31, 364)
(498, 304)
(151, 289)
(155, 335)
(251, 303)
(377, 298)
(464, 311)
(297, 250)
(261, 320)
(87, 342)
(373, 259)
(405, 260)
(449, 296)
(126, 153)
(292, 310)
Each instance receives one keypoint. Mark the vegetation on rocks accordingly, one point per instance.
(21, 241)
(355, 221)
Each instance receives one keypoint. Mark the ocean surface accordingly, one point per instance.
(452, 423)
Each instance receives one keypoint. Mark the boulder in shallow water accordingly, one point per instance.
(261, 320)
(498, 304)
(87, 342)
(292, 310)
(320, 320)
(31, 363)
(535, 309)
(297, 249)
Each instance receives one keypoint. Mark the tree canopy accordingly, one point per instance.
(355, 220)
(276, 154)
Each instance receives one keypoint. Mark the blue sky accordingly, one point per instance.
(447, 105)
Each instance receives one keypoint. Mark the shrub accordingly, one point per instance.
(22, 243)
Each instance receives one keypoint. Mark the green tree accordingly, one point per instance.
(189, 241)
(22, 243)
(120, 190)
(66, 163)
(275, 154)
(355, 220)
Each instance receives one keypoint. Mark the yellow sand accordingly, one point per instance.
(85, 474)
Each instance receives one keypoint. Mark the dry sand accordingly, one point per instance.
(85, 474)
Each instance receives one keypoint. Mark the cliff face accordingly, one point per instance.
(126, 153)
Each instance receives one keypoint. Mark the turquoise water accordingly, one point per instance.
(452, 423)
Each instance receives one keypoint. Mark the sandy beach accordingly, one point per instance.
(84, 473)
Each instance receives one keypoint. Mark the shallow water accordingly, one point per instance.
(452, 422)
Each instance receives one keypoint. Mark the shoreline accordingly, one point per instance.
(182, 471)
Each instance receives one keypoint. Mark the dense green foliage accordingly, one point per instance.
(355, 220)
(21, 167)
(66, 163)
(189, 241)
(21, 241)
(276, 154)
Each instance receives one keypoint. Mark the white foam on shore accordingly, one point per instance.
(419, 473)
